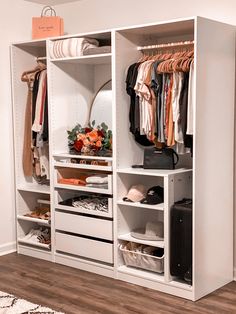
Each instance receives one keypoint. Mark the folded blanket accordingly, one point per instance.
(97, 50)
(71, 47)
(97, 179)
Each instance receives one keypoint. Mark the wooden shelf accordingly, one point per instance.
(140, 205)
(37, 220)
(152, 172)
(128, 237)
(102, 58)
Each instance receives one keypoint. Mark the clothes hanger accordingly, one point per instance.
(28, 76)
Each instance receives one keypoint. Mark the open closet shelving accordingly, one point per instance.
(91, 241)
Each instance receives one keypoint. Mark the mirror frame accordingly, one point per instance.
(93, 99)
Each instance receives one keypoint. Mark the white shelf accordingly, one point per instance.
(82, 188)
(102, 58)
(37, 220)
(34, 252)
(152, 172)
(128, 237)
(181, 285)
(82, 166)
(140, 205)
(141, 273)
(44, 189)
(36, 244)
(66, 155)
(51, 2)
(31, 43)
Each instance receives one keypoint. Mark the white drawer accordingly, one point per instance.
(89, 226)
(83, 247)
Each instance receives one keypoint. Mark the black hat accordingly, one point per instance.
(155, 195)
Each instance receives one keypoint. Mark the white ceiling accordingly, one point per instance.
(51, 2)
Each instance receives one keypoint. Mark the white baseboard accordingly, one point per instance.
(7, 248)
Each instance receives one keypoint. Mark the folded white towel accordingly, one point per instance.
(97, 179)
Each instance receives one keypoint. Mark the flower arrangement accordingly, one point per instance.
(90, 140)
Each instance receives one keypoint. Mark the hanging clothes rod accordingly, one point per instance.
(170, 45)
(41, 58)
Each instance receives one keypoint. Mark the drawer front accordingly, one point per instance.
(83, 247)
(89, 226)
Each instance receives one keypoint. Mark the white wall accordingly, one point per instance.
(93, 15)
(15, 22)
(90, 15)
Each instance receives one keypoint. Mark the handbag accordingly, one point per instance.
(47, 25)
(165, 158)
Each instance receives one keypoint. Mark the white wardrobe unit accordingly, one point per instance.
(81, 238)
(29, 193)
(92, 242)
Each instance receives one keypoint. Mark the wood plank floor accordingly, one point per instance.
(77, 292)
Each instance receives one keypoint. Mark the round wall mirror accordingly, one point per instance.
(101, 106)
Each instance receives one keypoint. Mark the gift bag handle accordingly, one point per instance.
(47, 9)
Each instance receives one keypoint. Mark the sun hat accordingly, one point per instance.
(136, 193)
(153, 231)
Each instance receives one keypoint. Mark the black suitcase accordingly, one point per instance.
(181, 238)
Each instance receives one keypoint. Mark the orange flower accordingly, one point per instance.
(93, 136)
(98, 143)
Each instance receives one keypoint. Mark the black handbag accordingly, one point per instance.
(165, 158)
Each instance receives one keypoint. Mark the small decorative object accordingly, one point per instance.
(47, 25)
(94, 141)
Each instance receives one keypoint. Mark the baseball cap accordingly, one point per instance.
(136, 193)
(155, 195)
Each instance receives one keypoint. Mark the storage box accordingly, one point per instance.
(141, 260)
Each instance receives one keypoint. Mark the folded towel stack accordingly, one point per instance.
(97, 181)
(71, 47)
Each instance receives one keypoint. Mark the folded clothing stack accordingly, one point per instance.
(73, 181)
(94, 181)
(71, 47)
(97, 50)
(97, 181)
(86, 202)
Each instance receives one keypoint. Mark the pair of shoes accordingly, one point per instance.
(89, 162)
(40, 213)
(41, 235)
